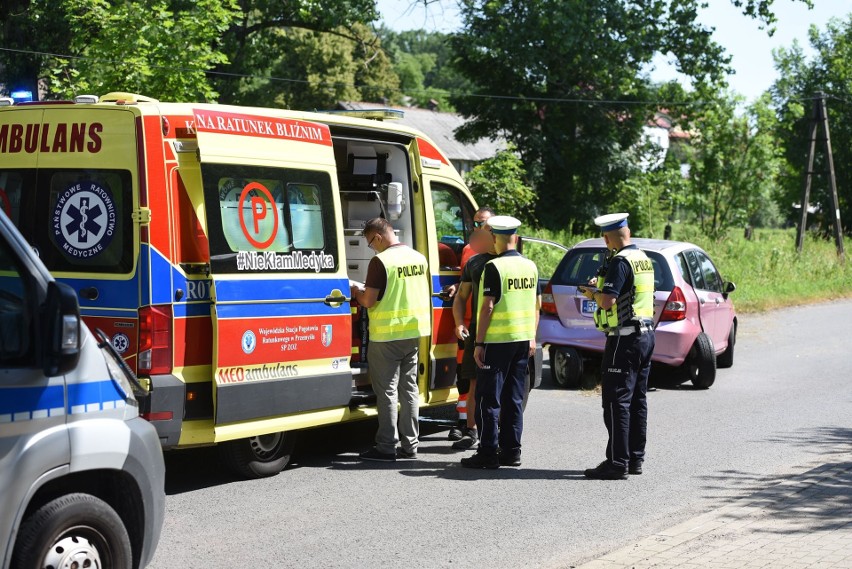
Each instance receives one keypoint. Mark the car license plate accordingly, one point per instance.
(588, 306)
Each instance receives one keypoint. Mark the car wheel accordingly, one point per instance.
(701, 362)
(726, 358)
(566, 366)
(76, 530)
(261, 456)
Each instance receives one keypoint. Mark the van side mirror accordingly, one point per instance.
(729, 287)
(61, 330)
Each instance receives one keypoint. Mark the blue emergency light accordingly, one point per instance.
(22, 96)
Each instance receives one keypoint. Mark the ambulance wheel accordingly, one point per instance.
(701, 362)
(726, 358)
(566, 366)
(76, 530)
(260, 456)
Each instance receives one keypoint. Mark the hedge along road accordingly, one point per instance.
(786, 399)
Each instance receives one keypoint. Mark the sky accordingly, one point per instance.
(749, 46)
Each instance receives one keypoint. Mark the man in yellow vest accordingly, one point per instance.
(625, 313)
(398, 299)
(509, 303)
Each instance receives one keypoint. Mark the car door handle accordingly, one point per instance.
(334, 300)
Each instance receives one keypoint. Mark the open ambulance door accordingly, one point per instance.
(450, 221)
(281, 323)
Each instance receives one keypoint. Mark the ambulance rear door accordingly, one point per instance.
(449, 219)
(281, 323)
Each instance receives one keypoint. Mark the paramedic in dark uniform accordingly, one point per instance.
(509, 302)
(625, 299)
(398, 298)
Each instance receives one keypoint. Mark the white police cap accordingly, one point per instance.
(503, 224)
(611, 221)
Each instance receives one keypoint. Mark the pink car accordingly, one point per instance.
(694, 318)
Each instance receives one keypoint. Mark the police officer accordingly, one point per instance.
(397, 295)
(509, 301)
(625, 299)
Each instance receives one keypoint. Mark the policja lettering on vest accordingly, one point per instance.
(411, 271)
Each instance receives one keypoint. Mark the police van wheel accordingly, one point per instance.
(260, 456)
(701, 362)
(726, 358)
(566, 366)
(76, 530)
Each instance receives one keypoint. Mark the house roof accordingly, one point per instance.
(440, 127)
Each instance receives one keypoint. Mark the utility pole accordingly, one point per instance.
(820, 117)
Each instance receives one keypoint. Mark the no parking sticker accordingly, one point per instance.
(84, 219)
(259, 211)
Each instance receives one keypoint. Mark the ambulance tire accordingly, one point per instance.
(700, 364)
(73, 530)
(260, 456)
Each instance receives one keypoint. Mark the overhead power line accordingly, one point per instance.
(519, 98)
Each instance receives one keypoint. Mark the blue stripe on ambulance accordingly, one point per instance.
(286, 288)
(29, 403)
(275, 309)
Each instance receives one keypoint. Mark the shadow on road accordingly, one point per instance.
(819, 499)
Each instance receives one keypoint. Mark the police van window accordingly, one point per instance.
(78, 220)
(262, 219)
(453, 224)
(15, 334)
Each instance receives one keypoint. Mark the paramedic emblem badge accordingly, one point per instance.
(326, 335)
(84, 219)
(120, 342)
(249, 342)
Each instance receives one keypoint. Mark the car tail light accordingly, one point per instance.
(675, 307)
(548, 305)
(155, 340)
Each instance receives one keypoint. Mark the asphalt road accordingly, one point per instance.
(788, 396)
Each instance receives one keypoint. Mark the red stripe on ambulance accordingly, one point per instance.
(262, 127)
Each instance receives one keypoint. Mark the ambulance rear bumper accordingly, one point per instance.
(164, 408)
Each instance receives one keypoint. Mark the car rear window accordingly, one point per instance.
(579, 266)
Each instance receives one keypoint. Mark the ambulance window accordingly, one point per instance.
(14, 332)
(82, 220)
(11, 183)
(287, 212)
(453, 220)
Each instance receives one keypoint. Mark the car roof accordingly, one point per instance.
(642, 243)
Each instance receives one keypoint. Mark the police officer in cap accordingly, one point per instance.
(625, 299)
(509, 300)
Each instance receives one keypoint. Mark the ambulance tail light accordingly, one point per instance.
(155, 340)
(548, 304)
(675, 307)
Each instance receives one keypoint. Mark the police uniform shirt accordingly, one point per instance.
(619, 275)
(491, 285)
(472, 273)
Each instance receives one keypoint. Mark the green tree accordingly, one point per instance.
(500, 183)
(565, 80)
(735, 165)
(173, 49)
(794, 95)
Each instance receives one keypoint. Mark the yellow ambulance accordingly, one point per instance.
(215, 244)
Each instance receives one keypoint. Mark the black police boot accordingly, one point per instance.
(480, 460)
(634, 467)
(606, 471)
